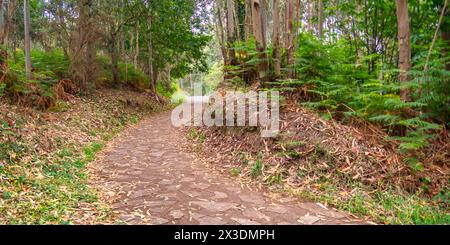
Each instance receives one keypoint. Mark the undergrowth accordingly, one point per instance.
(389, 205)
(44, 178)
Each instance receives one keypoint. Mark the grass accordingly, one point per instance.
(257, 168)
(52, 192)
(291, 145)
(52, 187)
(43, 192)
(290, 154)
(196, 135)
(276, 178)
(235, 172)
(385, 206)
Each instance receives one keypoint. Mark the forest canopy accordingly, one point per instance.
(114, 42)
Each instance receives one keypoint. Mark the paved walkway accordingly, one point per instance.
(149, 179)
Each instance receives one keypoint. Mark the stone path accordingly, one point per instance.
(150, 180)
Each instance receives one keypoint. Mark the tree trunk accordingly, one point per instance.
(298, 18)
(152, 71)
(248, 19)
(311, 13)
(3, 51)
(259, 31)
(435, 36)
(114, 59)
(445, 35)
(26, 10)
(231, 32)
(289, 29)
(404, 46)
(2, 24)
(155, 73)
(8, 21)
(321, 20)
(236, 22)
(90, 63)
(221, 32)
(276, 37)
(136, 52)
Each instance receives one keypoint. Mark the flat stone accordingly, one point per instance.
(309, 219)
(166, 182)
(315, 208)
(130, 219)
(136, 172)
(284, 223)
(219, 195)
(156, 154)
(254, 214)
(215, 206)
(127, 217)
(191, 193)
(158, 221)
(197, 216)
(140, 193)
(187, 179)
(277, 209)
(245, 221)
(252, 199)
(210, 221)
(234, 189)
(173, 187)
(150, 179)
(176, 214)
(158, 203)
(201, 186)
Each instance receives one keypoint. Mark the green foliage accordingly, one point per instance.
(167, 91)
(257, 168)
(2, 89)
(342, 88)
(132, 76)
(48, 69)
(128, 75)
(214, 76)
(247, 58)
(276, 178)
(196, 135)
(50, 66)
(235, 172)
(50, 185)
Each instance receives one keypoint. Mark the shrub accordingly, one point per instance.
(338, 85)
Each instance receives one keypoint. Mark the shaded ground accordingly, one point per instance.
(148, 178)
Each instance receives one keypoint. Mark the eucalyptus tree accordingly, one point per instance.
(27, 39)
(175, 38)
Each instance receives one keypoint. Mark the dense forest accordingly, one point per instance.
(96, 43)
(350, 58)
(379, 67)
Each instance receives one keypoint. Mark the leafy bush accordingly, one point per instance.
(167, 91)
(128, 75)
(53, 64)
(48, 69)
(132, 76)
(338, 85)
